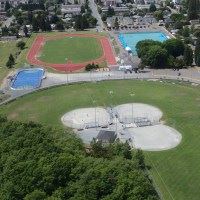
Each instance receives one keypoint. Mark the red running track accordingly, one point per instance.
(33, 54)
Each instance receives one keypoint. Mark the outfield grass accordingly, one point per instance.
(175, 171)
(74, 49)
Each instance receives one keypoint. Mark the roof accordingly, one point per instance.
(109, 136)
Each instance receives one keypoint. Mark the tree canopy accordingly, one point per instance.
(197, 52)
(159, 55)
(193, 9)
(39, 162)
(175, 47)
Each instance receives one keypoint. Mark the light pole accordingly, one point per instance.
(132, 94)
(95, 115)
(111, 96)
(66, 69)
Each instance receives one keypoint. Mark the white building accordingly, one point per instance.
(74, 9)
(111, 2)
(67, 2)
(149, 1)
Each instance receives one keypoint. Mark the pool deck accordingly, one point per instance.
(123, 54)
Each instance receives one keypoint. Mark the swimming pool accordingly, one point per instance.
(131, 39)
(27, 79)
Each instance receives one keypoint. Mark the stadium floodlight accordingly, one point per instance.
(95, 113)
(132, 94)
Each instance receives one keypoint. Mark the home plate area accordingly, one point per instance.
(135, 123)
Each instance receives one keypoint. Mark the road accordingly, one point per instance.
(95, 13)
(174, 11)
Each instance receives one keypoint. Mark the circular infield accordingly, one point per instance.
(148, 137)
(86, 118)
(127, 112)
(155, 138)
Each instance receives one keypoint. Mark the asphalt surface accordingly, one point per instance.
(95, 13)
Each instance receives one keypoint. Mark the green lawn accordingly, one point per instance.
(9, 47)
(75, 49)
(175, 171)
(6, 48)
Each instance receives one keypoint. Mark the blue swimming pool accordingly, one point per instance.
(27, 79)
(131, 39)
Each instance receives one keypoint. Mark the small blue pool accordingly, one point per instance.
(131, 39)
(27, 79)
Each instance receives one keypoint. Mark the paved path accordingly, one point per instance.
(95, 13)
(192, 76)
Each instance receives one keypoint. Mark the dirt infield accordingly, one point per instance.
(155, 136)
(86, 118)
(128, 112)
(34, 52)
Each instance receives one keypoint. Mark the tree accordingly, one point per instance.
(158, 15)
(188, 56)
(143, 46)
(92, 21)
(197, 33)
(47, 25)
(78, 22)
(81, 22)
(35, 25)
(104, 17)
(111, 11)
(152, 7)
(175, 47)
(21, 45)
(90, 67)
(36, 195)
(25, 30)
(175, 17)
(156, 57)
(60, 26)
(197, 52)
(82, 9)
(7, 6)
(193, 6)
(54, 19)
(37, 162)
(116, 24)
(10, 62)
(140, 156)
(85, 22)
(186, 31)
(30, 17)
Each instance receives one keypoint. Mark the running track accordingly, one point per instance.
(33, 54)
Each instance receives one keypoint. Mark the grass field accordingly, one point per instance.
(6, 48)
(10, 47)
(175, 171)
(75, 49)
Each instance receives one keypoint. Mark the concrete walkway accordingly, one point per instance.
(191, 76)
(95, 13)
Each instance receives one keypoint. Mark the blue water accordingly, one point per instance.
(28, 79)
(131, 39)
